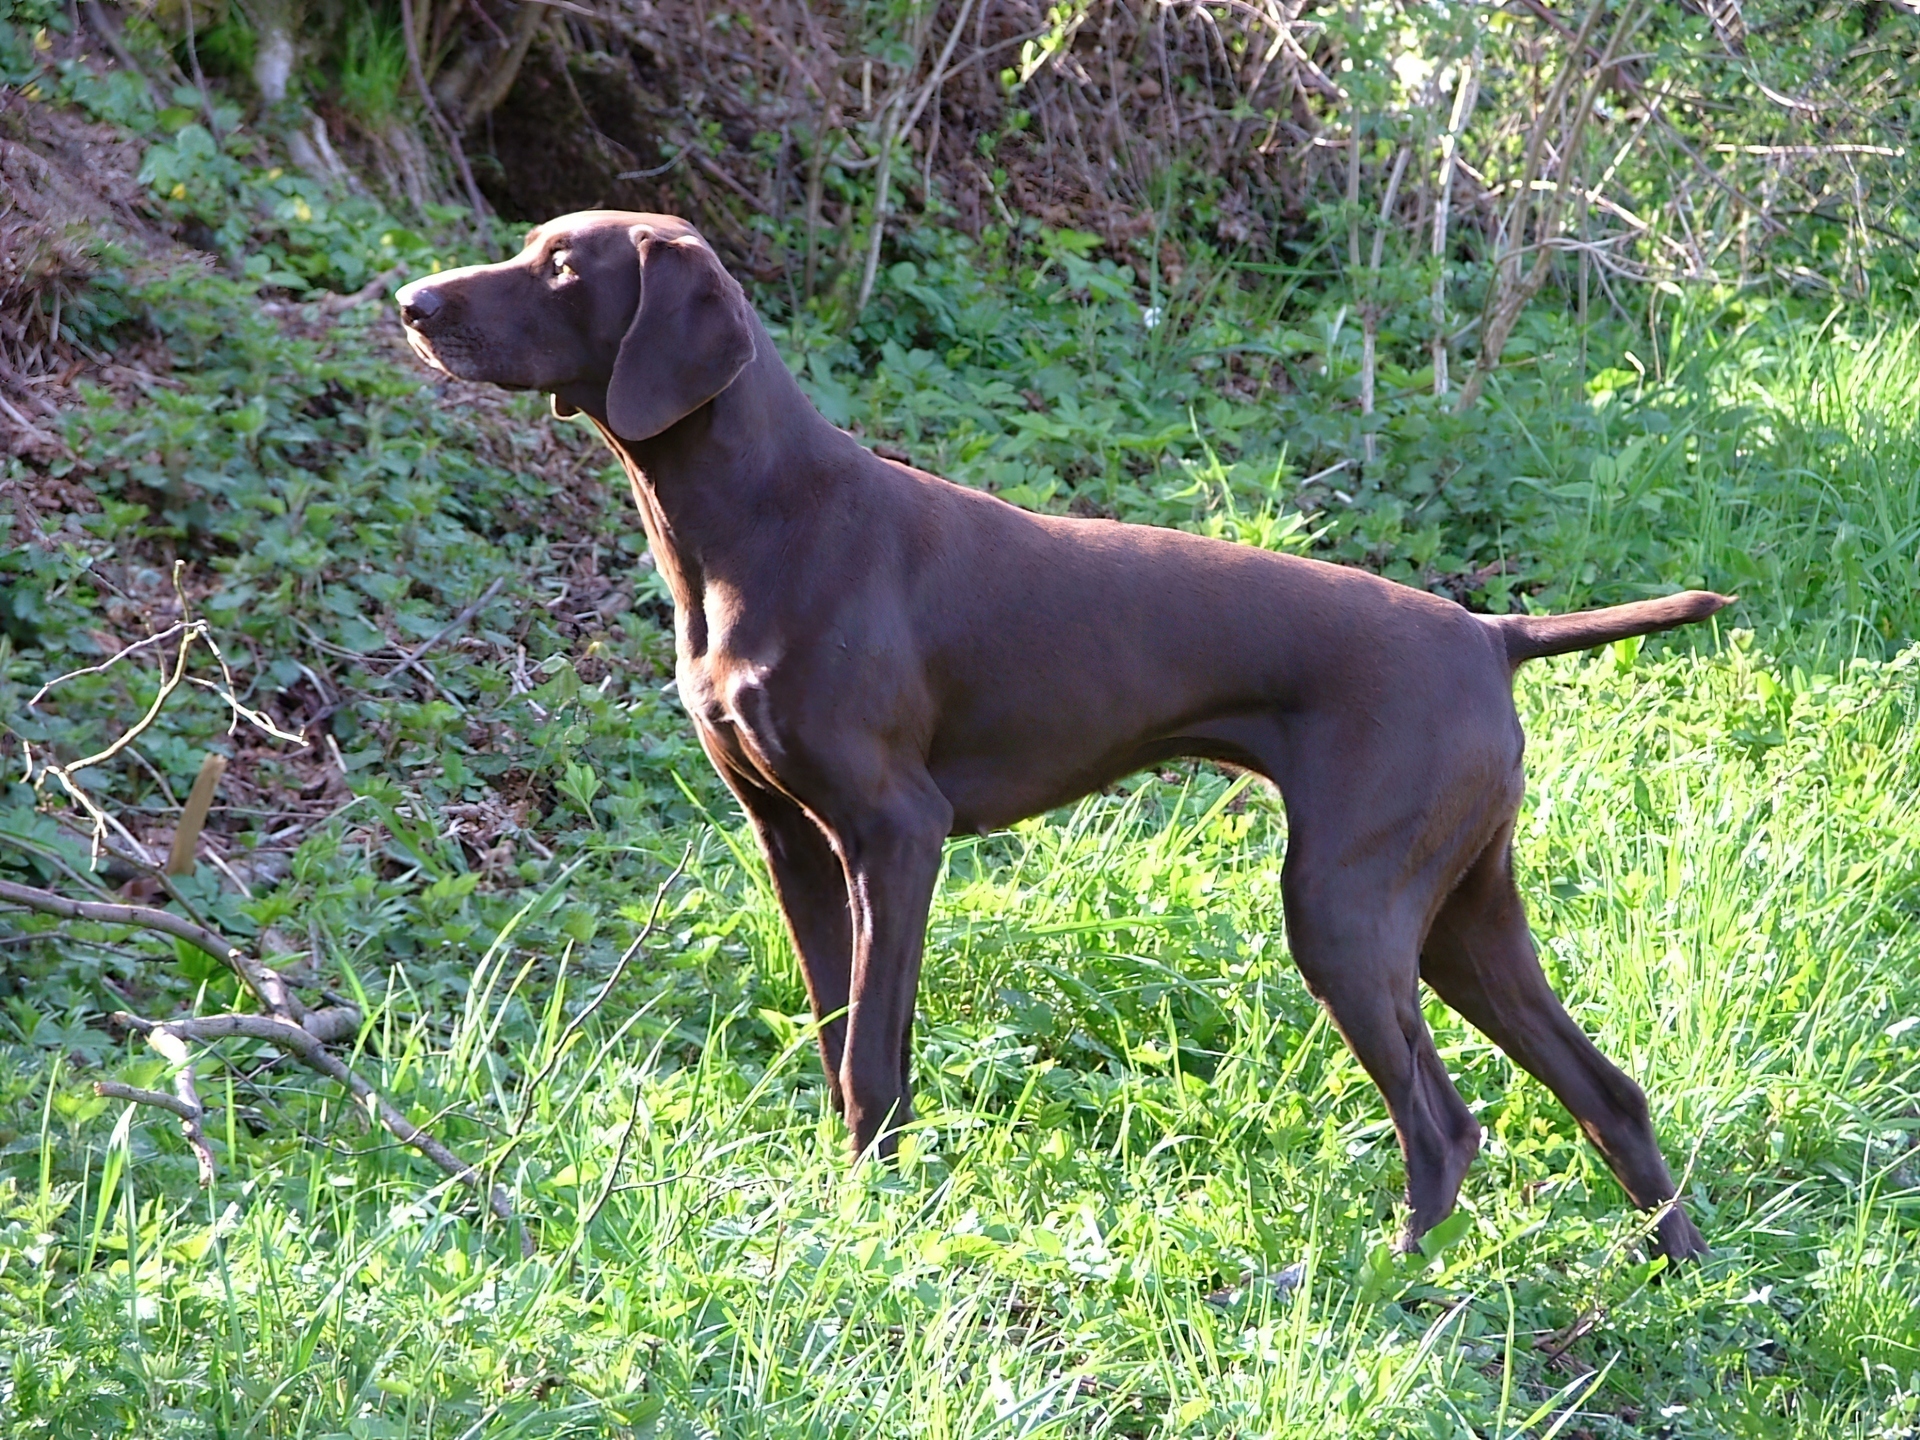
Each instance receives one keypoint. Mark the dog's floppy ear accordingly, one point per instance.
(691, 335)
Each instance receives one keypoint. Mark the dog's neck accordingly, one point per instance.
(720, 501)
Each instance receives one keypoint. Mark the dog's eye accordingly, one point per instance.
(560, 265)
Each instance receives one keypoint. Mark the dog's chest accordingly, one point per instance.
(727, 697)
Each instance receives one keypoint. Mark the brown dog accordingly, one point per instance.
(876, 659)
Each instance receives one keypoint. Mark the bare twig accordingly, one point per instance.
(33, 432)
(159, 1099)
(1512, 286)
(290, 1026)
(294, 1041)
(374, 289)
(896, 121)
(107, 31)
(187, 631)
(413, 656)
(185, 1103)
(1464, 96)
(1370, 307)
(266, 983)
(1808, 150)
(199, 80)
(619, 1160)
(108, 663)
(619, 969)
(447, 134)
(570, 8)
(185, 1100)
(1330, 471)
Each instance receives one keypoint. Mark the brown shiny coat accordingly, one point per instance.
(876, 659)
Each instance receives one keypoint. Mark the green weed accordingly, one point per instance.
(1133, 1121)
(374, 69)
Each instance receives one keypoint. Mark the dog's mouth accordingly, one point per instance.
(454, 354)
(423, 347)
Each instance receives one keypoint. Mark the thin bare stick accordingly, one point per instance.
(573, 1025)
(292, 1040)
(154, 775)
(823, 142)
(1464, 96)
(34, 432)
(236, 711)
(266, 983)
(413, 656)
(184, 1102)
(1386, 209)
(168, 684)
(619, 1159)
(1370, 309)
(104, 28)
(1808, 150)
(1353, 193)
(1511, 288)
(112, 660)
(940, 71)
(188, 631)
(892, 126)
(102, 822)
(447, 134)
(879, 230)
(199, 80)
(159, 1099)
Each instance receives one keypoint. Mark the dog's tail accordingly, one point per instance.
(1527, 637)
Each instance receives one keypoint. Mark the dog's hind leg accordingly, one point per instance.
(1360, 959)
(1479, 958)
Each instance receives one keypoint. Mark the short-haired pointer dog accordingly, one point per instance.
(876, 659)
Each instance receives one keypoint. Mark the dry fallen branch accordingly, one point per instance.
(265, 983)
(292, 1040)
(184, 1102)
(414, 655)
(290, 1027)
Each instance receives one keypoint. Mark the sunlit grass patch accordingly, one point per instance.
(1148, 1191)
(1779, 460)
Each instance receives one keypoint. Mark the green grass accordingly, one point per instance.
(1781, 462)
(1134, 1119)
(1725, 867)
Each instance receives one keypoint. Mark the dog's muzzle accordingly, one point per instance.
(420, 305)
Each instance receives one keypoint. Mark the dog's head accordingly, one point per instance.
(628, 317)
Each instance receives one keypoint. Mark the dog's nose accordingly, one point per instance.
(419, 306)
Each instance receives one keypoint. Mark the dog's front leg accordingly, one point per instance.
(891, 850)
(811, 886)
